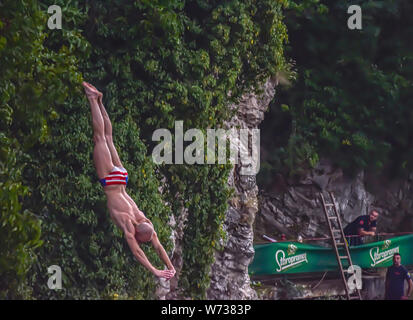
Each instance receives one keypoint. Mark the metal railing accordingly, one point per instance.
(378, 237)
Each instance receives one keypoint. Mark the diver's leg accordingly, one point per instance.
(109, 136)
(101, 154)
(108, 132)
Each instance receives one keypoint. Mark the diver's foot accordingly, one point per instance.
(91, 91)
(92, 86)
(100, 93)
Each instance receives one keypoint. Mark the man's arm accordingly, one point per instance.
(362, 232)
(410, 285)
(410, 288)
(129, 231)
(161, 252)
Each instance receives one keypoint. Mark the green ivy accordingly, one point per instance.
(351, 101)
(156, 62)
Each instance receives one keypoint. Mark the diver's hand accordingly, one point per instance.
(172, 272)
(167, 274)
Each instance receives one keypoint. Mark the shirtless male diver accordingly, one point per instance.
(113, 177)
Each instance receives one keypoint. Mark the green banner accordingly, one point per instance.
(295, 257)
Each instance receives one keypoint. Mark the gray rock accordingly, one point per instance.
(283, 213)
(229, 273)
(293, 209)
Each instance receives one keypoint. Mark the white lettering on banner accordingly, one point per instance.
(285, 263)
(379, 257)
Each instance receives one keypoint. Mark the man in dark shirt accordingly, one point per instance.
(362, 226)
(395, 277)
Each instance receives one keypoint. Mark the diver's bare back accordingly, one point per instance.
(113, 178)
(121, 208)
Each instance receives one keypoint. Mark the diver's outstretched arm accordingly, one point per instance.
(162, 254)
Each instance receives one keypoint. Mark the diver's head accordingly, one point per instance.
(144, 232)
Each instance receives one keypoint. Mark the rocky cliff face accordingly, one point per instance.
(290, 207)
(229, 273)
(170, 289)
(295, 209)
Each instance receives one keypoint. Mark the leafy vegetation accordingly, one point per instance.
(351, 101)
(156, 62)
(28, 89)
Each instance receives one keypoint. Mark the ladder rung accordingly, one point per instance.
(338, 239)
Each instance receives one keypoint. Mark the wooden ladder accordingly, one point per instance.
(339, 240)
